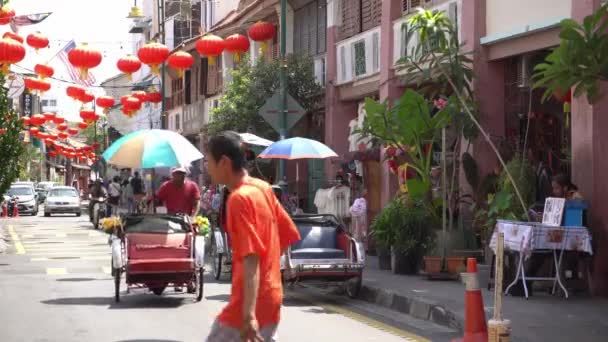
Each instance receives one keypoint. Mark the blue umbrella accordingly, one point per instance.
(297, 148)
(152, 148)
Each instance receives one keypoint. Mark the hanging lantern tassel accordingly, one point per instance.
(237, 57)
(155, 69)
(84, 73)
(263, 47)
(211, 60)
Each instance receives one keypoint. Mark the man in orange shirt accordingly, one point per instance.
(260, 231)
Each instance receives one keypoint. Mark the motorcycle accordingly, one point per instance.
(100, 210)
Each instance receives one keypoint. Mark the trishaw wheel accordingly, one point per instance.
(199, 284)
(353, 287)
(117, 285)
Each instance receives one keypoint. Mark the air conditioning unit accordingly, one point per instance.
(524, 71)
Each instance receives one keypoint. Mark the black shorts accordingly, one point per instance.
(114, 200)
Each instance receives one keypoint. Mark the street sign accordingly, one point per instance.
(27, 106)
(270, 112)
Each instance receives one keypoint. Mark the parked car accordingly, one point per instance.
(31, 185)
(62, 200)
(27, 202)
(47, 185)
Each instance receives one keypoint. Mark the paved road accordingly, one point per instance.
(55, 286)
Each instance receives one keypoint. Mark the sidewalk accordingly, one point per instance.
(541, 318)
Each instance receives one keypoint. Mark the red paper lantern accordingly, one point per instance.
(48, 116)
(86, 97)
(34, 130)
(13, 36)
(25, 120)
(210, 46)
(75, 92)
(131, 105)
(180, 60)
(83, 158)
(153, 54)
(62, 127)
(155, 97)
(58, 120)
(11, 51)
(84, 58)
(6, 14)
(37, 119)
(563, 97)
(128, 65)
(140, 95)
(62, 135)
(83, 125)
(72, 131)
(53, 136)
(261, 32)
(88, 115)
(43, 86)
(105, 102)
(44, 70)
(48, 142)
(37, 40)
(237, 44)
(42, 136)
(52, 154)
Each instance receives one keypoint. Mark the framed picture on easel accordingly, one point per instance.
(554, 211)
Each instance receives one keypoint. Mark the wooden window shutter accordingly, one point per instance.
(212, 78)
(371, 13)
(203, 77)
(351, 18)
(311, 14)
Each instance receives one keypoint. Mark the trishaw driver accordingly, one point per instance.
(179, 194)
(260, 231)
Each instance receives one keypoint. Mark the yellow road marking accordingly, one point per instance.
(362, 319)
(18, 245)
(106, 270)
(56, 271)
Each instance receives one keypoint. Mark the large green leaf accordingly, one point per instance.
(418, 189)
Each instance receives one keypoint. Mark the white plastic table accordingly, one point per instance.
(527, 238)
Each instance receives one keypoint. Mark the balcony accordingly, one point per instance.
(193, 118)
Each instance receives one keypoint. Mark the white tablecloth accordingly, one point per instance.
(535, 236)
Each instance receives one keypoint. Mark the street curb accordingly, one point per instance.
(417, 307)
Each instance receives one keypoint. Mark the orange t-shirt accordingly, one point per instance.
(257, 224)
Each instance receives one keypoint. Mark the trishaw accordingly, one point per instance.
(327, 254)
(157, 251)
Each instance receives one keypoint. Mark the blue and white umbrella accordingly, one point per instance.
(297, 148)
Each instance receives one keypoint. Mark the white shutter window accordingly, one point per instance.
(412, 43)
(453, 15)
(403, 39)
(342, 64)
(319, 66)
(375, 52)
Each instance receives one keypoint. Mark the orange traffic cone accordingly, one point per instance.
(15, 211)
(475, 328)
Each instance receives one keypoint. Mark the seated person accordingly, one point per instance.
(561, 188)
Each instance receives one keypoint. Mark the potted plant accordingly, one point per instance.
(382, 229)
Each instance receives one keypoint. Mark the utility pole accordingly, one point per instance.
(161, 20)
(283, 84)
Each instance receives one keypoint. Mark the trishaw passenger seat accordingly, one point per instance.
(317, 243)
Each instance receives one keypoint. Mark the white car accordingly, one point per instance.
(62, 200)
(27, 202)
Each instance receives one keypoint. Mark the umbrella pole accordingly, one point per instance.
(153, 192)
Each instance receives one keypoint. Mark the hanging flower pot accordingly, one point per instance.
(153, 54)
(37, 40)
(44, 70)
(180, 60)
(128, 65)
(6, 14)
(11, 52)
(237, 44)
(210, 46)
(84, 58)
(261, 32)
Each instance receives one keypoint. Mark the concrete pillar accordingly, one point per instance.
(589, 163)
(489, 83)
(337, 113)
(389, 88)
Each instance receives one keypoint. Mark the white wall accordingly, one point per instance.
(504, 16)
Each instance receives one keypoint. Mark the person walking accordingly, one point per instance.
(260, 231)
(114, 192)
(139, 190)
